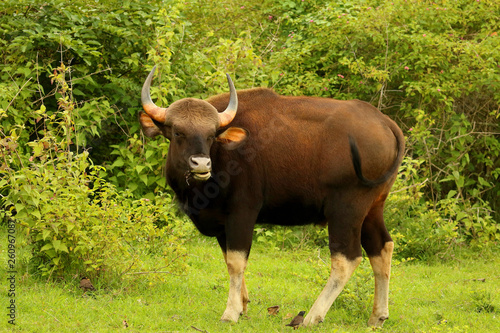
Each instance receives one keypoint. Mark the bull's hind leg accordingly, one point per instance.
(341, 270)
(379, 246)
(344, 228)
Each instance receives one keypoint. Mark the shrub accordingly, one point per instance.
(75, 220)
(422, 228)
(78, 223)
(102, 46)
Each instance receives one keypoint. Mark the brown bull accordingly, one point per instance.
(268, 158)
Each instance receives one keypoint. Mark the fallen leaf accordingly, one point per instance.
(273, 310)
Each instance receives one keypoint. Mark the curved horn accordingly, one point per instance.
(155, 112)
(228, 115)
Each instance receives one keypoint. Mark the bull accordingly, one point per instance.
(254, 156)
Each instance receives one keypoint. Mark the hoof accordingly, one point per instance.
(230, 316)
(312, 320)
(377, 321)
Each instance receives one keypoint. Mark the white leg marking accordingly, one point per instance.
(381, 266)
(342, 269)
(236, 264)
(244, 295)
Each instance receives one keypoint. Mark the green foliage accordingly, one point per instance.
(79, 223)
(422, 228)
(419, 227)
(139, 169)
(102, 43)
(76, 221)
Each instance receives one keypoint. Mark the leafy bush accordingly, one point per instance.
(103, 46)
(76, 221)
(79, 223)
(422, 228)
(139, 169)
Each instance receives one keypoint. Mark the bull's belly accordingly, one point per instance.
(291, 214)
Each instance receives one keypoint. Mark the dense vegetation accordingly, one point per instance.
(85, 186)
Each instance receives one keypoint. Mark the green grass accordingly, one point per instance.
(437, 297)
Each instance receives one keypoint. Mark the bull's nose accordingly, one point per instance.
(200, 164)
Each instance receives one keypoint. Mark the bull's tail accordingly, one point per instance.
(356, 160)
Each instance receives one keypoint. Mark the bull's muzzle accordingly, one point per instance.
(200, 167)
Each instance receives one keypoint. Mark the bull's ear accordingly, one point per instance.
(148, 126)
(233, 137)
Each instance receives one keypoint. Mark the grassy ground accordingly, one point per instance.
(456, 296)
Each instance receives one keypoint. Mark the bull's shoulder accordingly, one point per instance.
(245, 97)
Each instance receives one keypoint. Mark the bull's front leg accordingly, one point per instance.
(238, 295)
(235, 245)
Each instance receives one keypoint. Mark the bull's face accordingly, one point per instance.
(191, 125)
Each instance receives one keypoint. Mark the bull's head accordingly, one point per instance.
(192, 126)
